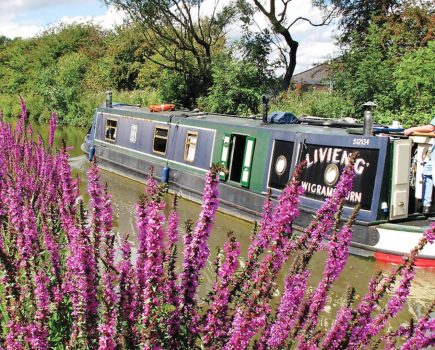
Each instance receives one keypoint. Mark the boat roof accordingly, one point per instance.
(204, 119)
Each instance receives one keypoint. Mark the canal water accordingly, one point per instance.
(357, 273)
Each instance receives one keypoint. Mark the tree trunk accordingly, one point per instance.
(290, 68)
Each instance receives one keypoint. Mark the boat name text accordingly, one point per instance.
(335, 156)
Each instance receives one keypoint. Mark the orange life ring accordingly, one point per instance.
(162, 108)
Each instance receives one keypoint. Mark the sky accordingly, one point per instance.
(27, 18)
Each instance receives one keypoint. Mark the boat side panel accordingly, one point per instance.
(374, 148)
(278, 135)
(261, 152)
(204, 146)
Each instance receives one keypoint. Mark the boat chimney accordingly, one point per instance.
(369, 118)
(108, 99)
(264, 101)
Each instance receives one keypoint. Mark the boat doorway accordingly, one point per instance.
(236, 158)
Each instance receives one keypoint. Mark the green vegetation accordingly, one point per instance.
(69, 68)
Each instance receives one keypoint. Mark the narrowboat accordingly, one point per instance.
(260, 154)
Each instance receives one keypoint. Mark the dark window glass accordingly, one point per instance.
(160, 140)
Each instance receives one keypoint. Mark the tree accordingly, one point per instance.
(278, 15)
(181, 35)
(390, 63)
(355, 15)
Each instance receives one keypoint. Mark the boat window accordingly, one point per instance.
(190, 146)
(110, 133)
(280, 164)
(160, 139)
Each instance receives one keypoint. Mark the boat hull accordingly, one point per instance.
(384, 242)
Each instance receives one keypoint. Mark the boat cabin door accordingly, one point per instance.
(399, 195)
(237, 155)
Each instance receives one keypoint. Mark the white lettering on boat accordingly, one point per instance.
(326, 191)
(335, 156)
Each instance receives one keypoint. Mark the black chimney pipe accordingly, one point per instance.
(264, 101)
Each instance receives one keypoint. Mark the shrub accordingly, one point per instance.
(67, 282)
(315, 103)
(237, 88)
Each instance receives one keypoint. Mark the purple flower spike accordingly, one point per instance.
(217, 322)
(429, 234)
(295, 286)
(196, 252)
(424, 335)
(338, 331)
(53, 122)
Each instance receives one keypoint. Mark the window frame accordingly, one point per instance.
(107, 126)
(160, 137)
(187, 143)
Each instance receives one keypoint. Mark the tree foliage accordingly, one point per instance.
(182, 35)
(356, 15)
(386, 57)
(380, 65)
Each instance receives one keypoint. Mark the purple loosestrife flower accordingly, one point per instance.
(80, 283)
(368, 304)
(14, 336)
(67, 199)
(14, 204)
(107, 327)
(254, 306)
(317, 231)
(217, 322)
(172, 231)
(172, 289)
(197, 252)
(97, 208)
(149, 263)
(37, 331)
(261, 240)
(245, 325)
(107, 340)
(338, 252)
(153, 269)
(394, 304)
(281, 227)
(56, 266)
(76, 287)
(338, 331)
(127, 295)
(295, 286)
(429, 234)
(53, 120)
(141, 224)
(423, 336)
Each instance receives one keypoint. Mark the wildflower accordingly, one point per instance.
(294, 291)
(52, 123)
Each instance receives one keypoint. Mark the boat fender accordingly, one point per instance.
(91, 153)
(165, 174)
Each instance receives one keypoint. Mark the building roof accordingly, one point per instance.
(317, 75)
